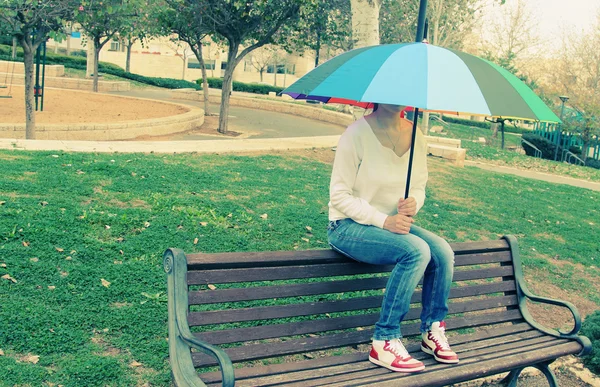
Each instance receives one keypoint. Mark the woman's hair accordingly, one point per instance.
(375, 107)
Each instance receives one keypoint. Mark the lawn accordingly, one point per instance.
(492, 153)
(81, 239)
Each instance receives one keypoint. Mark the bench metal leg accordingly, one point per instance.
(511, 379)
(548, 373)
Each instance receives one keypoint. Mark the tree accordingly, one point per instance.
(365, 22)
(512, 36)
(252, 23)
(188, 23)
(103, 20)
(141, 27)
(32, 22)
(262, 58)
(323, 23)
(577, 75)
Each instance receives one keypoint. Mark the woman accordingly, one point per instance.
(371, 222)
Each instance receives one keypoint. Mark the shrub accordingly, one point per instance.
(256, 88)
(462, 121)
(546, 146)
(590, 162)
(591, 329)
(77, 62)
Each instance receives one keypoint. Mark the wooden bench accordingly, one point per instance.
(305, 318)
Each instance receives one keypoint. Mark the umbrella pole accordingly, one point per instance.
(420, 36)
(412, 151)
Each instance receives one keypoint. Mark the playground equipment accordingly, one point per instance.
(6, 84)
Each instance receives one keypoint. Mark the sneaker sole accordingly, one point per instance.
(430, 352)
(389, 367)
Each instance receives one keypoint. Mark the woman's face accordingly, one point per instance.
(391, 108)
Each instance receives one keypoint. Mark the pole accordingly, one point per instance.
(36, 89)
(559, 127)
(43, 76)
(419, 39)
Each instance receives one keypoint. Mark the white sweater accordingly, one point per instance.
(368, 179)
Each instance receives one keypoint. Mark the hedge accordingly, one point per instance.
(591, 329)
(547, 147)
(75, 62)
(508, 128)
(256, 88)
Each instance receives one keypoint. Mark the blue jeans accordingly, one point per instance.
(415, 254)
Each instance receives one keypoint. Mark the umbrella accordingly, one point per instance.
(424, 76)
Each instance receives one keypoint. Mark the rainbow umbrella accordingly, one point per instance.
(423, 76)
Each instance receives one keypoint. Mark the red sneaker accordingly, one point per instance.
(435, 343)
(392, 355)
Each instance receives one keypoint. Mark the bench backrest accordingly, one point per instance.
(273, 304)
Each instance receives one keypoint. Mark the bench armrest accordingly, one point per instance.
(225, 365)
(523, 293)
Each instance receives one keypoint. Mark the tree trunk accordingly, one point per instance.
(14, 49)
(90, 58)
(365, 22)
(494, 130)
(261, 74)
(318, 49)
(69, 43)
(226, 88)
(200, 58)
(96, 60)
(275, 73)
(128, 60)
(28, 54)
(56, 47)
(184, 66)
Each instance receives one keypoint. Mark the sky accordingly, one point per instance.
(555, 16)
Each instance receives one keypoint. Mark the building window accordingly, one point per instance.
(194, 64)
(114, 46)
(281, 69)
(223, 65)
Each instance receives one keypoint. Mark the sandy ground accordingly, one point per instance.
(68, 106)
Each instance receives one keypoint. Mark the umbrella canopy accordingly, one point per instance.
(424, 76)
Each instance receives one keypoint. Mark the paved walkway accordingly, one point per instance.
(557, 179)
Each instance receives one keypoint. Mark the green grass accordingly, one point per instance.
(92, 217)
(492, 153)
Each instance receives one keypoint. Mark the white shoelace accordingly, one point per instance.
(397, 348)
(439, 336)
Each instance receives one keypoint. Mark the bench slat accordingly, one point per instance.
(343, 372)
(284, 258)
(261, 351)
(314, 288)
(434, 371)
(316, 308)
(262, 332)
(320, 271)
(274, 369)
(477, 364)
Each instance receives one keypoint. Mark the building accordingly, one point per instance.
(167, 58)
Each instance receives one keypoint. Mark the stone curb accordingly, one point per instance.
(124, 130)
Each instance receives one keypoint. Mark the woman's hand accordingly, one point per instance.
(399, 224)
(407, 207)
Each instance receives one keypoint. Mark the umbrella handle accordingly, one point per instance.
(412, 152)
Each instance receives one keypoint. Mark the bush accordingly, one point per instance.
(546, 146)
(256, 88)
(76, 62)
(462, 121)
(590, 162)
(591, 329)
